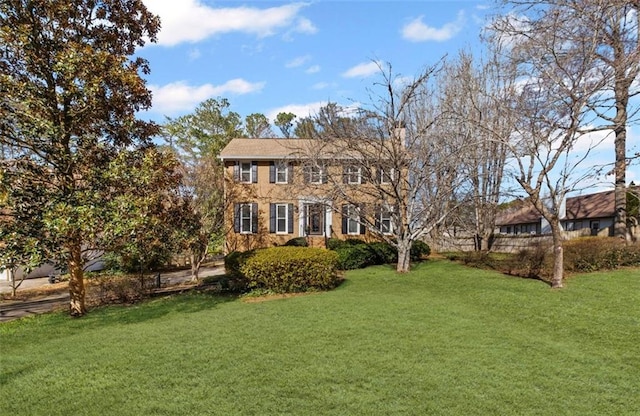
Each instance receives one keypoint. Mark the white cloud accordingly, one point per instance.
(306, 26)
(193, 21)
(178, 97)
(363, 70)
(298, 61)
(418, 31)
(300, 110)
(313, 69)
(320, 86)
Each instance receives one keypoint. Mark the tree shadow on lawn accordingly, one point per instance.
(154, 308)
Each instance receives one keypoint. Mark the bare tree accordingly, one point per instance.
(555, 85)
(471, 96)
(405, 166)
(610, 28)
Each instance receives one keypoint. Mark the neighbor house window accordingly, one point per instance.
(352, 175)
(281, 218)
(246, 218)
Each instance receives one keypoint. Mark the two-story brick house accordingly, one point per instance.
(279, 189)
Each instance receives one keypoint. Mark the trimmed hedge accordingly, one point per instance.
(234, 261)
(291, 269)
(419, 250)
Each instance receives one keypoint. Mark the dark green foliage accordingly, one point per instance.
(598, 253)
(419, 250)
(354, 253)
(234, 261)
(297, 242)
(335, 243)
(355, 257)
(385, 252)
(291, 269)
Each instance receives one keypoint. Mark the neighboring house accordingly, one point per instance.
(279, 189)
(592, 214)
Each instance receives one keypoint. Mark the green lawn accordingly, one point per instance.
(443, 340)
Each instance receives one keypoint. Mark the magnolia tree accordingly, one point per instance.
(405, 162)
(70, 88)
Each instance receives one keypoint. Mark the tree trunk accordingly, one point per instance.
(195, 267)
(620, 225)
(404, 256)
(76, 282)
(558, 257)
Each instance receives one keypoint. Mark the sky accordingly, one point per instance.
(281, 56)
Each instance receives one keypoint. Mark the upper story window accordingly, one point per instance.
(387, 175)
(246, 172)
(279, 172)
(316, 174)
(352, 174)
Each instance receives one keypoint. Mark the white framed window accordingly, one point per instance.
(387, 175)
(351, 220)
(353, 174)
(282, 173)
(245, 172)
(282, 215)
(316, 174)
(246, 218)
(386, 220)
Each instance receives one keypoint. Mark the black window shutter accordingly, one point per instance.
(378, 214)
(254, 218)
(290, 219)
(361, 215)
(236, 172)
(254, 172)
(345, 218)
(272, 218)
(272, 172)
(345, 176)
(323, 169)
(290, 172)
(236, 218)
(364, 172)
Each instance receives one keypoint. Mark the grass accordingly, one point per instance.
(442, 340)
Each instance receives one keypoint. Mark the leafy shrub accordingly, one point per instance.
(335, 243)
(355, 256)
(596, 253)
(291, 269)
(385, 252)
(297, 242)
(419, 250)
(354, 242)
(234, 261)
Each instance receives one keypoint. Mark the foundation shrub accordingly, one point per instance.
(291, 269)
(234, 261)
(385, 252)
(355, 256)
(419, 250)
(297, 242)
